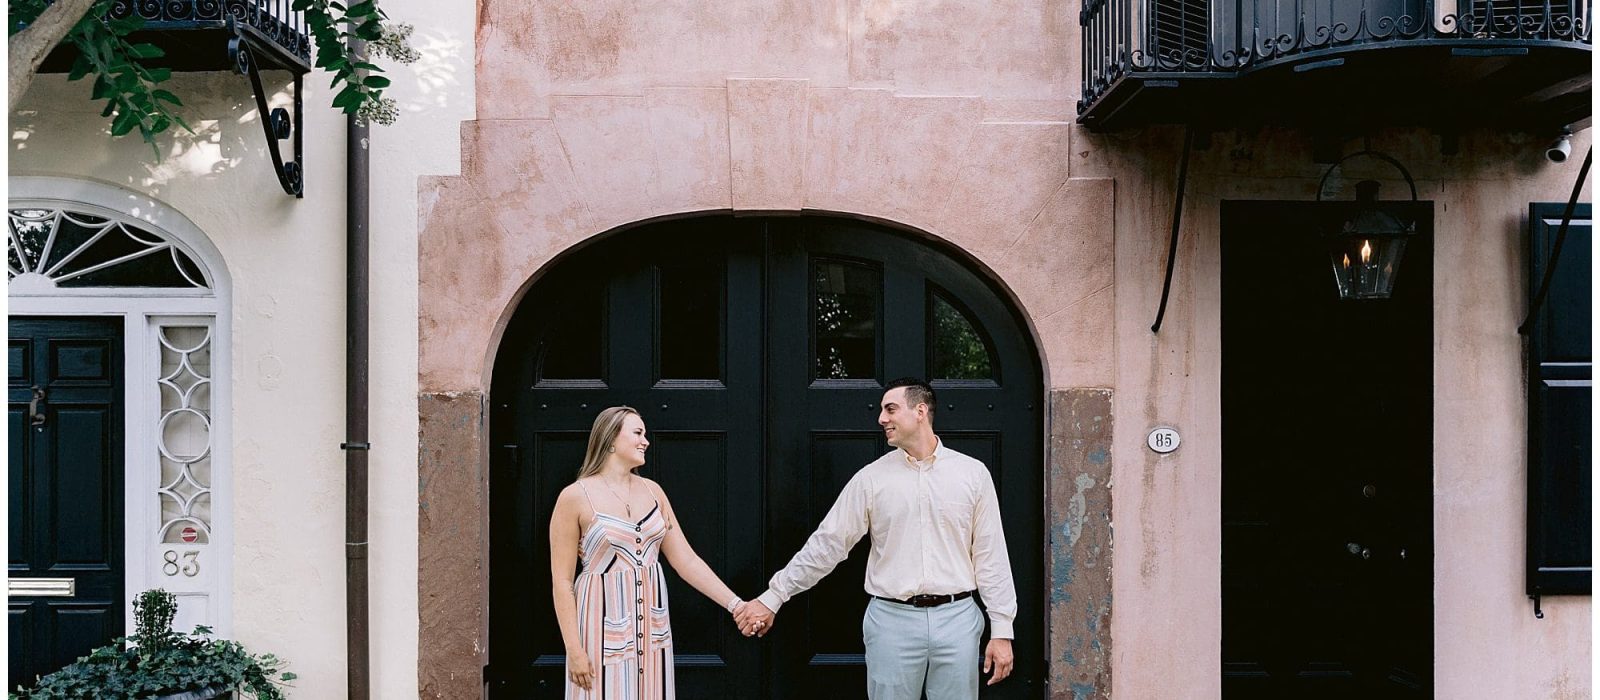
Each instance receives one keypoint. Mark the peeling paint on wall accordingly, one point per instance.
(1080, 544)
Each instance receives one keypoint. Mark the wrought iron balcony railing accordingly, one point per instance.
(246, 36)
(1513, 48)
(279, 32)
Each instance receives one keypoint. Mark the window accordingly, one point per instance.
(689, 325)
(845, 301)
(957, 349)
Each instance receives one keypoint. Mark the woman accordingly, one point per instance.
(614, 616)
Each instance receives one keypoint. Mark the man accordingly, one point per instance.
(936, 539)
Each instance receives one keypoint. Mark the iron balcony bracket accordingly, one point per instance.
(1555, 254)
(1177, 222)
(275, 123)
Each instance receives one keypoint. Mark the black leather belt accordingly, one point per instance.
(928, 601)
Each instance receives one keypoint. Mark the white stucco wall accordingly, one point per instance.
(287, 261)
(436, 96)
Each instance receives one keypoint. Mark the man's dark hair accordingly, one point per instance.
(917, 391)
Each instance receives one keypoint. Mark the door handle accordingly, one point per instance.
(34, 416)
(42, 587)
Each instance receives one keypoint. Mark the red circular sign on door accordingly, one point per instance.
(189, 534)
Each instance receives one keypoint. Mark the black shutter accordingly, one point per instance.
(1560, 364)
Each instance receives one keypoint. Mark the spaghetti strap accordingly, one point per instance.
(586, 499)
(658, 496)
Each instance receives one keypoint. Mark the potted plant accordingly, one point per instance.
(157, 663)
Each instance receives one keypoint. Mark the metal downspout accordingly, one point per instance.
(356, 447)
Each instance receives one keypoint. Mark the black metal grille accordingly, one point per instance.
(1528, 18)
(1235, 36)
(1181, 31)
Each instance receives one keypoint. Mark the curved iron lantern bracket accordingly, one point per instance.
(275, 123)
(1366, 243)
(1375, 154)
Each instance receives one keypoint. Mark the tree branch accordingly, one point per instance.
(29, 46)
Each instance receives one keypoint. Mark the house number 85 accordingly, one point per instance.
(1163, 440)
(188, 564)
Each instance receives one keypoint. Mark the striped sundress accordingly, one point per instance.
(622, 610)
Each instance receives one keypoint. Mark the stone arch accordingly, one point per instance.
(532, 189)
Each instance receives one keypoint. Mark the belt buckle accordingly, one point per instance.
(927, 600)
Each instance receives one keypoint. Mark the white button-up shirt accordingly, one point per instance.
(935, 528)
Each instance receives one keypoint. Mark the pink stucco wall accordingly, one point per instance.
(956, 119)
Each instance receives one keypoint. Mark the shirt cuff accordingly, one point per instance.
(771, 600)
(1000, 628)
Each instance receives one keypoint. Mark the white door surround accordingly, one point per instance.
(178, 486)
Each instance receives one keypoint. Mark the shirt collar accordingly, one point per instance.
(938, 452)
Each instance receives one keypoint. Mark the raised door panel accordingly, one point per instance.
(67, 495)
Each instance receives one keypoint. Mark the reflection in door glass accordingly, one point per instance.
(690, 325)
(958, 350)
(844, 311)
(573, 349)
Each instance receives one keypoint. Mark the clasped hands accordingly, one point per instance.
(753, 618)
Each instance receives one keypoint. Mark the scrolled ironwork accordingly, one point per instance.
(1120, 36)
(276, 124)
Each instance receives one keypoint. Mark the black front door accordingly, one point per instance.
(1327, 436)
(65, 463)
(756, 350)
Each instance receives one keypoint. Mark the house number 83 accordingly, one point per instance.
(188, 564)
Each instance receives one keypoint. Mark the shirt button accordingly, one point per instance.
(641, 652)
(638, 583)
(638, 551)
(638, 529)
(641, 617)
(640, 601)
(636, 540)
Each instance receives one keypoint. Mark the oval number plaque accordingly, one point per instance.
(1163, 440)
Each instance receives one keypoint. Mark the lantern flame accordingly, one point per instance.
(1346, 261)
(1366, 252)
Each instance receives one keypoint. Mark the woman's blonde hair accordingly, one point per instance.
(604, 432)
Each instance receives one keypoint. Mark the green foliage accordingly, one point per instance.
(134, 100)
(120, 78)
(959, 352)
(333, 26)
(157, 661)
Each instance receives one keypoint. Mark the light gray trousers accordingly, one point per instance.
(910, 649)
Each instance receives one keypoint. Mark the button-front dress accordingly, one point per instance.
(622, 610)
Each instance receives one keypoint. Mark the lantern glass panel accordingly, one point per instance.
(1364, 268)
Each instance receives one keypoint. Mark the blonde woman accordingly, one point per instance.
(613, 617)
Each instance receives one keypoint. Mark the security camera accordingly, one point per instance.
(1558, 151)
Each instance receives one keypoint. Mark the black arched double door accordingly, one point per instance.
(756, 350)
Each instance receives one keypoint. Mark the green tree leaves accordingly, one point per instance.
(135, 102)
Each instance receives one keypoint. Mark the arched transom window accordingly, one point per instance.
(61, 248)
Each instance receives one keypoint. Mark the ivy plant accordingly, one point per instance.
(158, 661)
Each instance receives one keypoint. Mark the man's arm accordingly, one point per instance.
(839, 531)
(993, 564)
